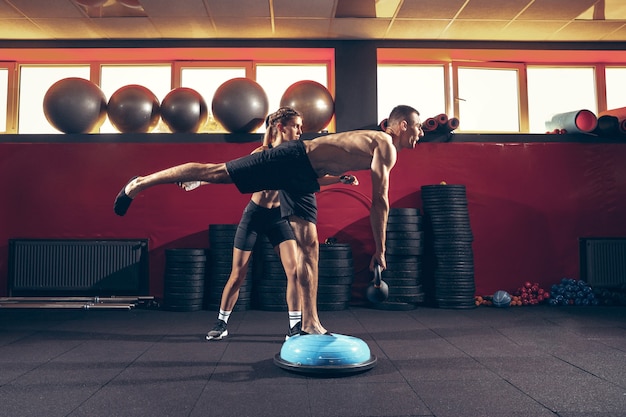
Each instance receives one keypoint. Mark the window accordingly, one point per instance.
(554, 90)
(488, 99)
(4, 98)
(34, 83)
(615, 87)
(420, 86)
(156, 78)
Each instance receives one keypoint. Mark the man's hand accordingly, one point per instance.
(378, 259)
(349, 179)
(189, 185)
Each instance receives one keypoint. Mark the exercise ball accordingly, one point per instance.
(240, 105)
(501, 299)
(133, 109)
(75, 105)
(313, 100)
(184, 110)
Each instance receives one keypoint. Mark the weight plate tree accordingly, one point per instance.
(185, 274)
(451, 260)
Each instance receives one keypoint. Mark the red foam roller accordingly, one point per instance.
(453, 123)
(607, 125)
(430, 124)
(620, 113)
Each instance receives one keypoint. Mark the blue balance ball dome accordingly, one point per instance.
(501, 299)
(325, 354)
(325, 350)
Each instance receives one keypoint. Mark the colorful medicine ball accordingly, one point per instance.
(501, 299)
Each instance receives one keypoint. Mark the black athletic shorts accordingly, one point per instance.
(285, 167)
(257, 220)
(300, 205)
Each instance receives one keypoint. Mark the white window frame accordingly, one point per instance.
(522, 92)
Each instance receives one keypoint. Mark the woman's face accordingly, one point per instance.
(292, 129)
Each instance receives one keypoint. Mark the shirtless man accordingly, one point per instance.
(296, 166)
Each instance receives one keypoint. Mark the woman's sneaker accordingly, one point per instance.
(218, 332)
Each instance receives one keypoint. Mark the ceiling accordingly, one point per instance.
(484, 20)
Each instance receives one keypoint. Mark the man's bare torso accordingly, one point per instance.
(338, 153)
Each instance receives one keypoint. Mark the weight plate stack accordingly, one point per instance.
(221, 241)
(335, 276)
(185, 273)
(450, 244)
(270, 283)
(404, 251)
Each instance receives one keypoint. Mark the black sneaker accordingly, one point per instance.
(295, 330)
(218, 332)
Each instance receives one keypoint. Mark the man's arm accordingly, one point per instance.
(383, 160)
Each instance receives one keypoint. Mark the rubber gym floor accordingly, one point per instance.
(524, 361)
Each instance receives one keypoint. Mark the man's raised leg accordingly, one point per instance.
(193, 171)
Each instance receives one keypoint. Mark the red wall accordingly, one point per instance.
(529, 203)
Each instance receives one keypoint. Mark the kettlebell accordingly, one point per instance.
(378, 290)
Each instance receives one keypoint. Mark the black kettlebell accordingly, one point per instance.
(378, 290)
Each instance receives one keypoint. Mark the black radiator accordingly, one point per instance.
(103, 267)
(603, 261)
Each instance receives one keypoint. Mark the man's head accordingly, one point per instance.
(405, 126)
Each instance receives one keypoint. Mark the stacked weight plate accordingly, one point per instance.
(221, 240)
(335, 276)
(270, 284)
(448, 226)
(404, 250)
(185, 273)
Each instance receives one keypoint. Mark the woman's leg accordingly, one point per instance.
(230, 294)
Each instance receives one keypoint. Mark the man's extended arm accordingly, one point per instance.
(383, 160)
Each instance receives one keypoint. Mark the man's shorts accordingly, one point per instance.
(300, 205)
(285, 167)
(257, 220)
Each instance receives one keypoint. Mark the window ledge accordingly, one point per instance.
(150, 138)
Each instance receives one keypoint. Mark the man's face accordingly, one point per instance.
(292, 129)
(413, 130)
